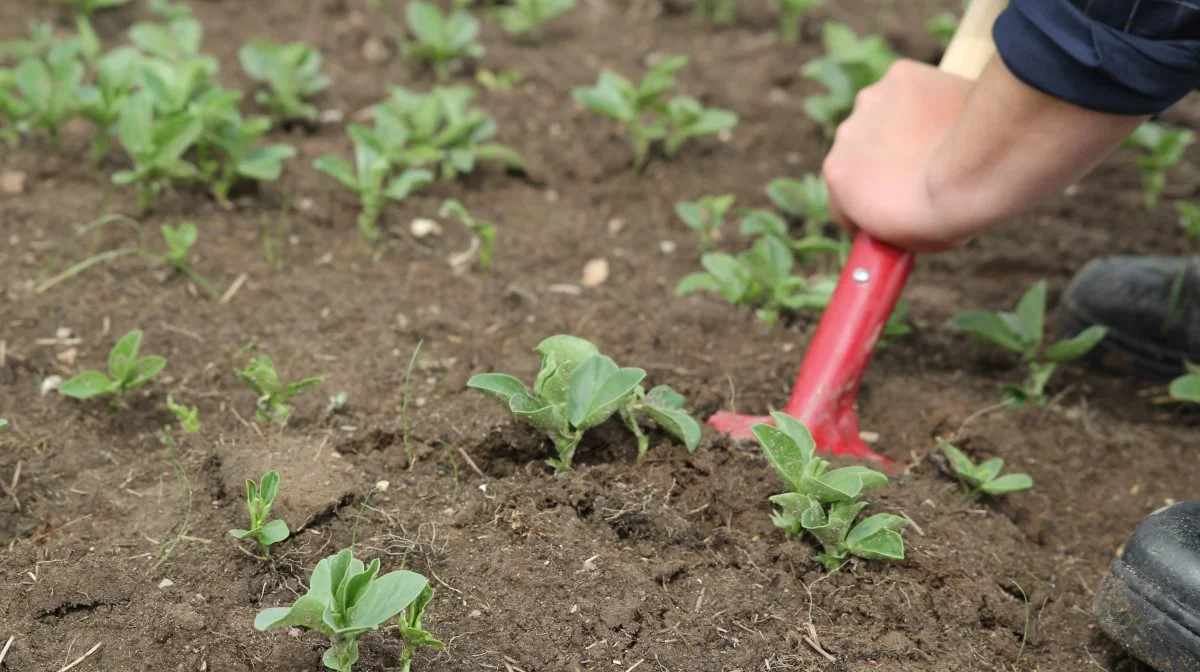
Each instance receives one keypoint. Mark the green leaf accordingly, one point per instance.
(733, 279)
(273, 532)
(408, 182)
(665, 407)
(1074, 348)
(567, 349)
(299, 386)
(143, 370)
(1031, 311)
(338, 169)
(239, 534)
(87, 385)
(386, 597)
(959, 462)
(853, 481)
(175, 136)
(546, 417)
(123, 355)
(265, 164)
(598, 388)
(763, 223)
(990, 327)
(306, 612)
(491, 151)
(426, 22)
(1186, 388)
(270, 487)
(499, 386)
(988, 470)
(697, 282)
(1008, 483)
(876, 538)
(788, 448)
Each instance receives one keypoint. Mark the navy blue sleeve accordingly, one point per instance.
(1114, 56)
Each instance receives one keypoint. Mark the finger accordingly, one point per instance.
(839, 215)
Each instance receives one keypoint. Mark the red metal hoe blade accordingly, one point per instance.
(825, 391)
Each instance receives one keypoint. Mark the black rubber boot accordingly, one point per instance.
(1150, 601)
(1151, 306)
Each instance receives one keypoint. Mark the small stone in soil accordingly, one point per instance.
(595, 273)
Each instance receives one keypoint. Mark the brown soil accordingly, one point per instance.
(671, 564)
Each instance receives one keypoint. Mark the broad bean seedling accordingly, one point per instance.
(1159, 149)
(260, 375)
(259, 499)
(126, 371)
(705, 216)
(1022, 332)
(346, 599)
(850, 64)
(291, 71)
(577, 388)
(439, 39)
(983, 478)
(826, 503)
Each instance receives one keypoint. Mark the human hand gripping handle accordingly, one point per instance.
(870, 284)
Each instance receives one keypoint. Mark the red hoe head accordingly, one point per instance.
(825, 391)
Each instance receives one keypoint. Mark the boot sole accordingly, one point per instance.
(1118, 352)
(1147, 623)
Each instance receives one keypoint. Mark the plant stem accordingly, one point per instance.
(199, 279)
(408, 452)
(89, 262)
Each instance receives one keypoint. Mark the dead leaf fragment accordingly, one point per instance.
(12, 182)
(595, 273)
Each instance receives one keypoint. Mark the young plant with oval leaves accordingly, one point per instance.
(1159, 149)
(984, 478)
(523, 18)
(849, 65)
(127, 370)
(646, 114)
(826, 503)
(705, 216)
(369, 179)
(792, 14)
(292, 73)
(261, 376)
(260, 497)
(441, 39)
(414, 635)
(577, 388)
(345, 600)
(1023, 332)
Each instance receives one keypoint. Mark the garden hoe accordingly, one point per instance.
(824, 394)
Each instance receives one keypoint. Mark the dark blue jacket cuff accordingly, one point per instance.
(1052, 46)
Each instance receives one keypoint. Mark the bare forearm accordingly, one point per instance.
(1012, 148)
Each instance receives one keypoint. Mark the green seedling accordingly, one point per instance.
(156, 145)
(646, 115)
(720, 12)
(942, 27)
(760, 276)
(126, 371)
(1189, 219)
(48, 87)
(1187, 386)
(806, 199)
(438, 129)
(687, 118)
(498, 82)
(293, 73)
(524, 17)
(259, 499)
(764, 223)
(705, 216)
(577, 388)
(441, 40)
(169, 11)
(792, 14)
(102, 101)
(89, 7)
(39, 43)
(850, 64)
(1022, 332)
(411, 631)
(14, 111)
(230, 147)
(188, 416)
(1159, 150)
(368, 178)
(260, 375)
(344, 600)
(175, 41)
(178, 241)
(983, 478)
(825, 503)
(484, 232)
(3, 425)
